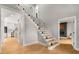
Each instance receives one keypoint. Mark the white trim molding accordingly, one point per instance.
(67, 19)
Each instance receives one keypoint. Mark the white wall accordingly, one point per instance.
(69, 28)
(0, 25)
(31, 32)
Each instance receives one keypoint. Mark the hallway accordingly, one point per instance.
(11, 46)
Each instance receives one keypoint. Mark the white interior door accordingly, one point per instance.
(74, 33)
(73, 36)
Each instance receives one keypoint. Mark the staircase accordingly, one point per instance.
(51, 42)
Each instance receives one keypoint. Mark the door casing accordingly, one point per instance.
(67, 19)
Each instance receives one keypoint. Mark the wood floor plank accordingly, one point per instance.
(11, 46)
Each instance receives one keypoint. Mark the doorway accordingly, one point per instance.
(63, 29)
(12, 25)
(67, 30)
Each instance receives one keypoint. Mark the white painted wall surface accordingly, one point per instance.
(69, 28)
(0, 25)
(31, 32)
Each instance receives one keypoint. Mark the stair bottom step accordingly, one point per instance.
(52, 43)
(52, 47)
(50, 40)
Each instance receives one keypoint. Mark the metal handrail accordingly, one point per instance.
(36, 20)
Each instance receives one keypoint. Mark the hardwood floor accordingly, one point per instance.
(11, 46)
(67, 41)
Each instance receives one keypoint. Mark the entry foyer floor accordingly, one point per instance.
(11, 46)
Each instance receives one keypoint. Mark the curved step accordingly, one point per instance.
(53, 47)
(53, 39)
(52, 43)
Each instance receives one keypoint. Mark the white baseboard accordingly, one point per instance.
(34, 43)
(77, 49)
(30, 43)
(42, 43)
